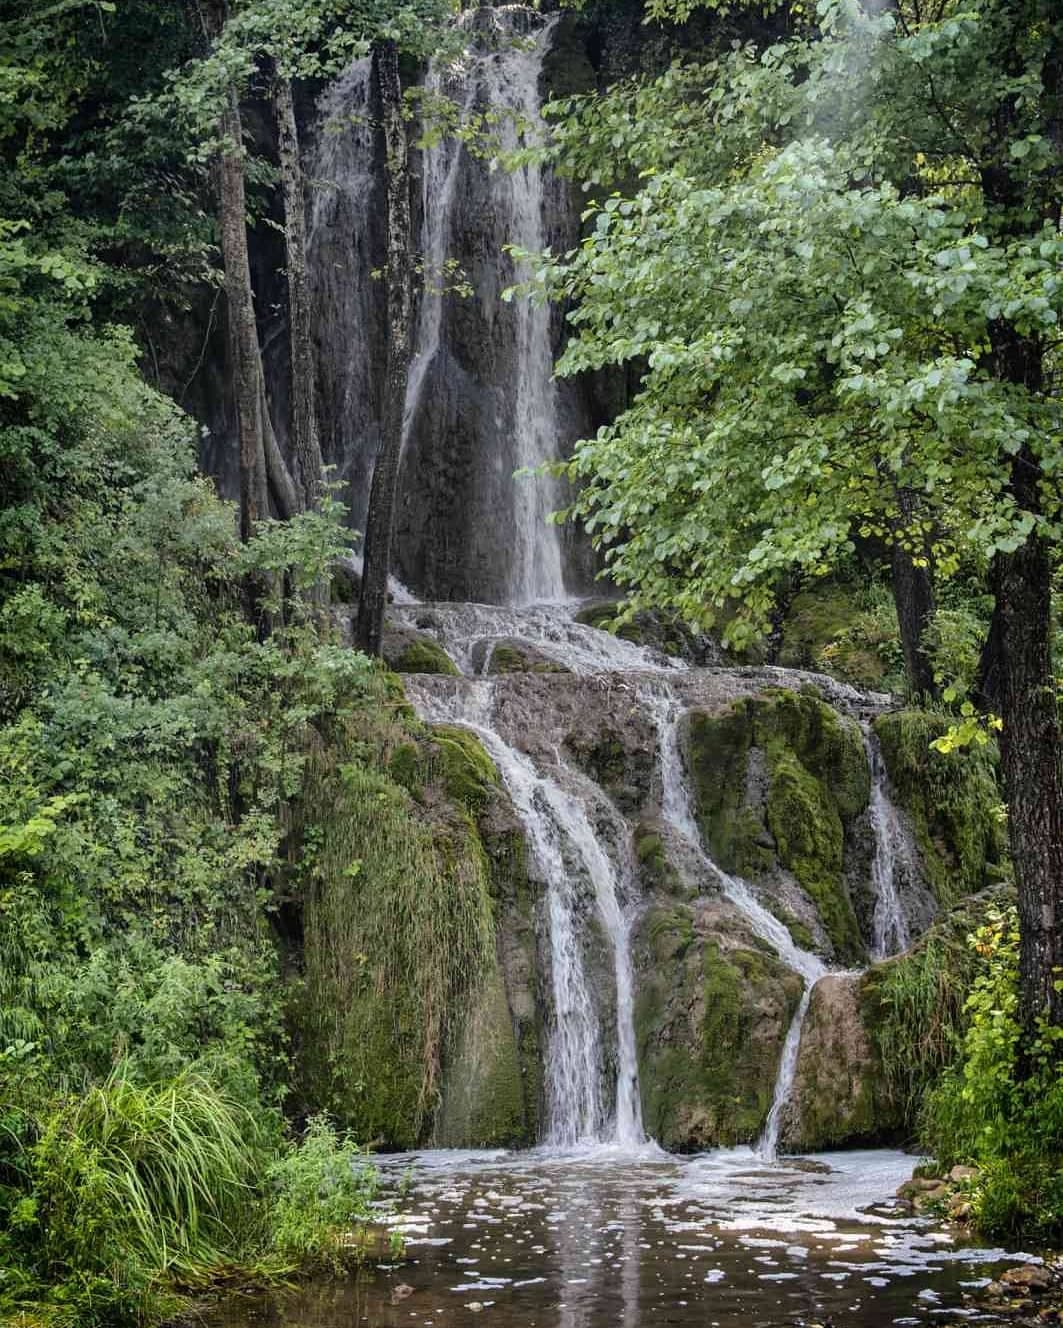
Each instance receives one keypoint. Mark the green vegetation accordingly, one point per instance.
(777, 778)
(953, 800)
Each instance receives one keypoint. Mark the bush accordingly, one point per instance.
(324, 1191)
(1000, 1107)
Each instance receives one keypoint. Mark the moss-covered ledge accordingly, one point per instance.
(777, 779)
(953, 800)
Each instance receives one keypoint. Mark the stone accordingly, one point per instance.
(834, 1099)
(959, 1208)
(961, 1173)
(1032, 1277)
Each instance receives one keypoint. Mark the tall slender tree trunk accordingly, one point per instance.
(306, 449)
(1022, 687)
(380, 521)
(254, 502)
(913, 597)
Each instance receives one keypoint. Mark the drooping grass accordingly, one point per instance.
(398, 930)
(137, 1183)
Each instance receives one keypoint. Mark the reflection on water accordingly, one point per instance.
(603, 1238)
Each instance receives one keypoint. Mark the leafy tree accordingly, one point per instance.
(839, 267)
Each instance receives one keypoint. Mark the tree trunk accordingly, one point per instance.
(380, 520)
(244, 337)
(1024, 691)
(913, 596)
(306, 450)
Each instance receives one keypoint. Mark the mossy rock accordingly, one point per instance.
(507, 657)
(466, 770)
(423, 655)
(777, 779)
(709, 1023)
(837, 1097)
(953, 800)
(482, 1104)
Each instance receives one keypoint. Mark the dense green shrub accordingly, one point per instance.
(323, 1192)
(1000, 1106)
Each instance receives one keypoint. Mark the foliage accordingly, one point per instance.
(809, 272)
(1001, 1105)
(323, 1190)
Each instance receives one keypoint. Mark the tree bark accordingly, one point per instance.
(254, 504)
(306, 449)
(913, 596)
(1023, 688)
(380, 521)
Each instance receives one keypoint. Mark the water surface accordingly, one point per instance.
(602, 1237)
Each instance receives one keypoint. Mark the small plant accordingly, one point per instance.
(324, 1189)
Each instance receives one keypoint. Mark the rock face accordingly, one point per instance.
(780, 780)
(838, 1095)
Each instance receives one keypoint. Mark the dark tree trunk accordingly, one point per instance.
(913, 596)
(306, 450)
(1023, 689)
(380, 520)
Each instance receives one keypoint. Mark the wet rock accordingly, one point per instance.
(778, 778)
(711, 1015)
(836, 1098)
(1027, 1277)
(958, 1174)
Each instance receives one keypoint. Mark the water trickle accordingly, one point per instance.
(567, 850)
(678, 813)
(889, 927)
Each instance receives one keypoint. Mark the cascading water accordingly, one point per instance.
(889, 927)
(566, 848)
(499, 75)
(678, 814)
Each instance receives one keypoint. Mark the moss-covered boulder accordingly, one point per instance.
(508, 656)
(777, 779)
(952, 799)
(711, 1016)
(837, 1095)
(421, 654)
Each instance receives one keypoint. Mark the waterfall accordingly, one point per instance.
(889, 927)
(500, 71)
(566, 848)
(345, 197)
(678, 813)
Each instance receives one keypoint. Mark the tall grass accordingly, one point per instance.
(137, 1182)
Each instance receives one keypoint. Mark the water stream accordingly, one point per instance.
(890, 933)
(568, 851)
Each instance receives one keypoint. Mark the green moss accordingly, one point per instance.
(398, 928)
(719, 758)
(952, 799)
(467, 772)
(424, 656)
(512, 659)
(709, 1082)
(406, 766)
(816, 780)
(843, 630)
